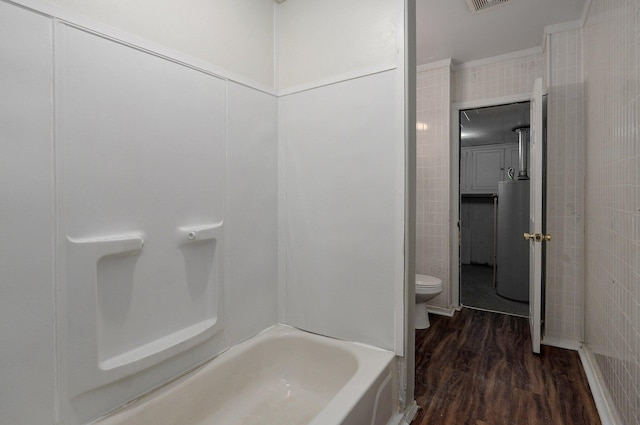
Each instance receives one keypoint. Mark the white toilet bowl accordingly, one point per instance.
(427, 288)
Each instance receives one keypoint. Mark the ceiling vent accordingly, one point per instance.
(476, 6)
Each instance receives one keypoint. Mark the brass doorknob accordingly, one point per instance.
(538, 237)
(535, 236)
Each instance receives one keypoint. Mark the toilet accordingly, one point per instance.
(427, 288)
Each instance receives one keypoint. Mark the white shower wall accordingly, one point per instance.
(121, 116)
(248, 292)
(27, 314)
(247, 121)
(235, 36)
(252, 212)
(341, 164)
(340, 174)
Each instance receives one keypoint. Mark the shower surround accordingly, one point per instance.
(147, 174)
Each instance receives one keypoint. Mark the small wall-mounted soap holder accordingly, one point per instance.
(200, 233)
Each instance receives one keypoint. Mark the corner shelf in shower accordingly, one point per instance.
(169, 342)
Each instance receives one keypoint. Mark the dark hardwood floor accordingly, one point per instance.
(477, 368)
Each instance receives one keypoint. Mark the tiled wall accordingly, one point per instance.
(485, 82)
(505, 78)
(612, 307)
(470, 83)
(565, 200)
(565, 144)
(565, 188)
(432, 241)
(593, 209)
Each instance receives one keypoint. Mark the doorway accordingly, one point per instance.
(494, 207)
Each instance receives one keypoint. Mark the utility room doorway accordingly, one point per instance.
(494, 208)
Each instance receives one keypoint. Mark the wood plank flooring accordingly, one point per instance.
(477, 368)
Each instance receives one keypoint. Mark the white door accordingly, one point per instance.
(534, 234)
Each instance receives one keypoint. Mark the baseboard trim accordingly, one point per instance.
(561, 343)
(449, 312)
(409, 414)
(601, 396)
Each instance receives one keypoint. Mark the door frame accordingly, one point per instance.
(454, 178)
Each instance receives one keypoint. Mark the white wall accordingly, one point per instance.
(235, 35)
(27, 363)
(370, 225)
(565, 188)
(342, 168)
(341, 151)
(140, 150)
(245, 122)
(487, 79)
(341, 249)
(612, 204)
(328, 40)
(252, 207)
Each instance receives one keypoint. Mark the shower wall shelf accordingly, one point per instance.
(173, 341)
(96, 367)
(201, 233)
(140, 239)
(108, 245)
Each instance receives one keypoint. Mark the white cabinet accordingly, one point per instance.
(482, 167)
(511, 160)
(487, 166)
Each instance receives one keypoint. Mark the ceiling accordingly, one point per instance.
(492, 125)
(447, 29)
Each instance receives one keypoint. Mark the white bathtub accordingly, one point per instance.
(283, 376)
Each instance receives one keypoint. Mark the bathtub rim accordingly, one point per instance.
(372, 363)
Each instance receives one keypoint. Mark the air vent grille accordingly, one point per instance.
(476, 6)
